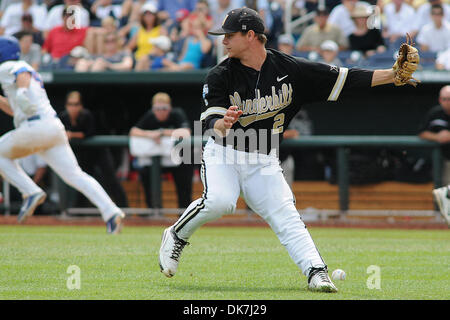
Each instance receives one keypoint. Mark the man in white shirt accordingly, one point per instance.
(54, 18)
(423, 13)
(399, 17)
(435, 36)
(341, 16)
(5, 4)
(443, 60)
(11, 21)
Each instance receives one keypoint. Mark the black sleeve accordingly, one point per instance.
(181, 119)
(88, 124)
(358, 79)
(64, 117)
(378, 39)
(322, 82)
(433, 121)
(145, 122)
(424, 124)
(215, 98)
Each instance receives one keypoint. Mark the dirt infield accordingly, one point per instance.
(386, 223)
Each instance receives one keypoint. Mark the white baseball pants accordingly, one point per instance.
(226, 174)
(47, 138)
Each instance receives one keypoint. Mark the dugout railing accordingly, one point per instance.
(342, 145)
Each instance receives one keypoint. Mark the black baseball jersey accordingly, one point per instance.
(271, 97)
(177, 119)
(85, 122)
(437, 120)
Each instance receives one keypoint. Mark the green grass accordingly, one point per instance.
(220, 263)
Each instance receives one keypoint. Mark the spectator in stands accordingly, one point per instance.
(80, 124)
(68, 62)
(201, 13)
(27, 26)
(436, 127)
(101, 9)
(196, 46)
(435, 36)
(219, 10)
(262, 7)
(30, 52)
(321, 30)
(62, 39)
(167, 9)
(113, 58)
(150, 27)
(443, 60)
(398, 20)
(5, 4)
(95, 38)
(286, 43)
(368, 41)
(11, 20)
(329, 53)
(135, 14)
(178, 31)
(159, 122)
(341, 16)
(160, 52)
(80, 19)
(423, 13)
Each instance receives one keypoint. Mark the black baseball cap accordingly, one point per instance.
(242, 19)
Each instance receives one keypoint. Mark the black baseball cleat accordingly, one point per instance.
(318, 280)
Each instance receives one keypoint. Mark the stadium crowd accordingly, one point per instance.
(143, 35)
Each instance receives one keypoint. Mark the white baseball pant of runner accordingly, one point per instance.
(264, 189)
(47, 137)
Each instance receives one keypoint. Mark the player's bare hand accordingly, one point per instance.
(231, 116)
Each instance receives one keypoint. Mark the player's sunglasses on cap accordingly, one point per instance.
(242, 19)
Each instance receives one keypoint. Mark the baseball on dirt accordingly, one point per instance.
(338, 274)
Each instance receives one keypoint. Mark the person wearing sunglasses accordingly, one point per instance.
(160, 122)
(79, 124)
(436, 127)
(113, 58)
(435, 36)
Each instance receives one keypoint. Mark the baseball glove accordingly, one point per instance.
(407, 62)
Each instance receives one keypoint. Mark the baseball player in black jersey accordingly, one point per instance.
(256, 91)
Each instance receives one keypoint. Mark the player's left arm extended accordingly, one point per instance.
(4, 105)
(385, 76)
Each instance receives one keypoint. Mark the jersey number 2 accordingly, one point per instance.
(278, 123)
